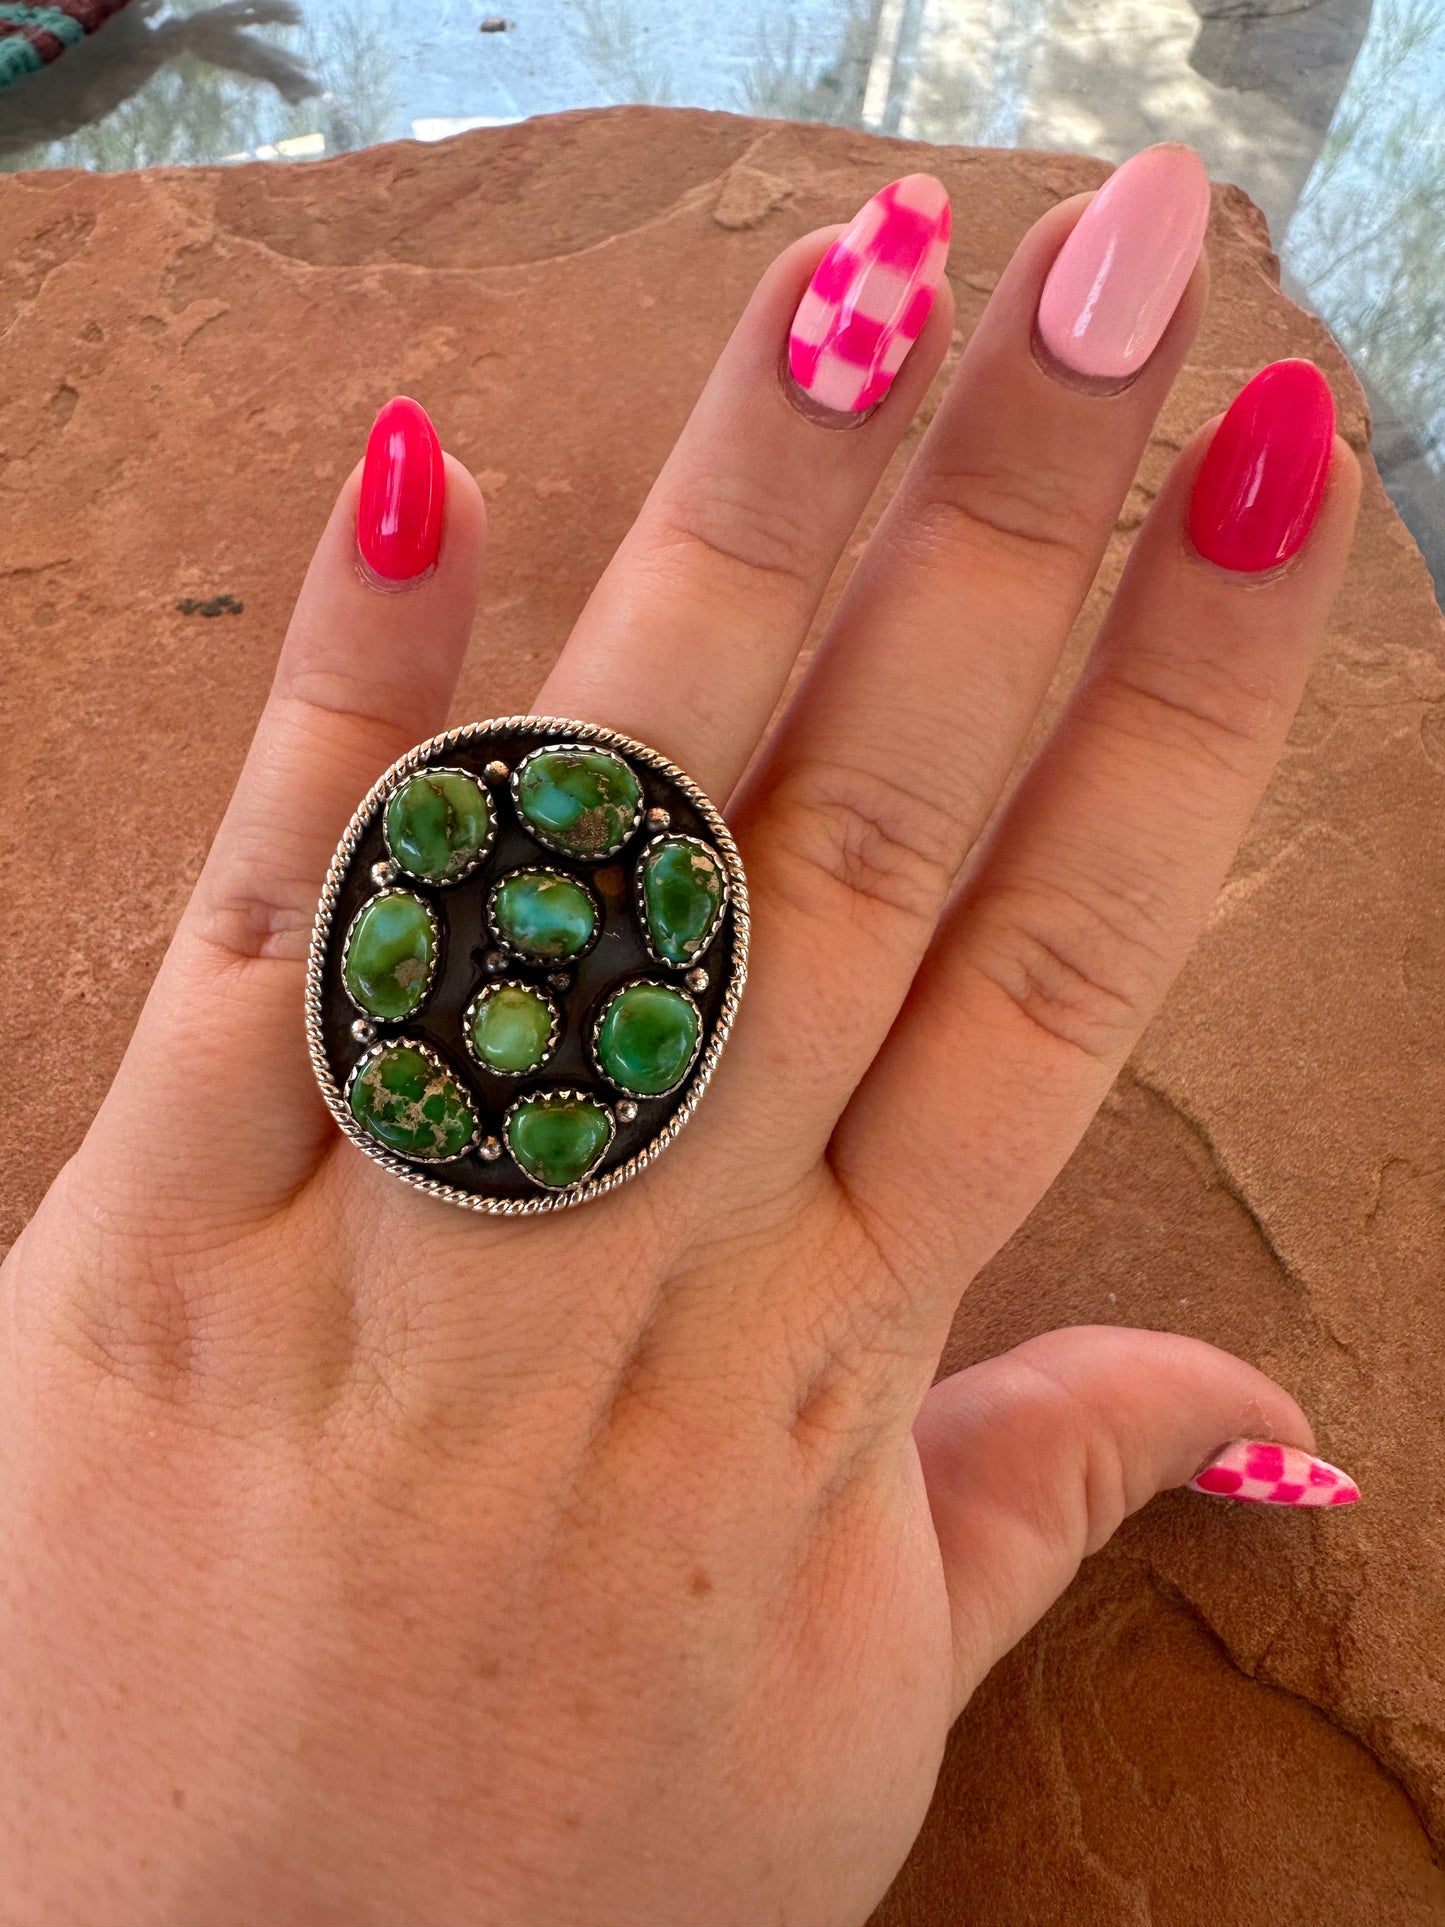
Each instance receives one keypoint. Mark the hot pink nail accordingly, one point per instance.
(400, 507)
(1117, 279)
(872, 292)
(1274, 1475)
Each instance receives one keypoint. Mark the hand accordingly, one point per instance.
(369, 1560)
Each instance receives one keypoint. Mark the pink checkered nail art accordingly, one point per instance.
(1274, 1475)
(867, 303)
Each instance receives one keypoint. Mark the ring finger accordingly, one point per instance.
(690, 635)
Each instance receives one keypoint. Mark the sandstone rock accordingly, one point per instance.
(1233, 1717)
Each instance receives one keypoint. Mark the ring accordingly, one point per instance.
(526, 960)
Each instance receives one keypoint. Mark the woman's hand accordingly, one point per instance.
(373, 1561)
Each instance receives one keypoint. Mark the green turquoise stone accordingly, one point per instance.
(558, 1137)
(543, 915)
(684, 888)
(390, 951)
(583, 801)
(647, 1038)
(509, 1028)
(411, 1104)
(438, 823)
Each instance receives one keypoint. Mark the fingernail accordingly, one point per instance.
(1117, 279)
(1274, 1475)
(1262, 480)
(872, 292)
(403, 490)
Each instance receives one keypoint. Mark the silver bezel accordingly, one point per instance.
(359, 1133)
(510, 949)
(514, 784)
(490, 989)
(393, 890)
(640, 901)
(736, 976)
(657, 983)
(443, 883)
(558, 1191)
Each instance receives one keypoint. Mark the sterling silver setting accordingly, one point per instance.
(552, 843)
(640, 899)
(434, 955)
(565, 1094)
(655, 983)
(491, 751)
(509, 949)
(484, 995)
(478, 859)
(438, 1063)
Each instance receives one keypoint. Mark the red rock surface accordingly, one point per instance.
(1233, 1718)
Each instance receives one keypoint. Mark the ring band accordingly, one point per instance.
(526, 960)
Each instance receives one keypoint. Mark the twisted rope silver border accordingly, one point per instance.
(361, 819)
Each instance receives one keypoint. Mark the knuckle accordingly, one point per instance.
(313, 701)
(1082, 1497)
(883, 847)
(743, 536)
(1029, 517)
(253, 920)
(1081, 969)
(1216, 713)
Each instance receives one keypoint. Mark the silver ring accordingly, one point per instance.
(408, 1090)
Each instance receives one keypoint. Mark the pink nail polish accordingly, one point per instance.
(872, 292)
(1259, 488)
(403, 493)
(1117, 279)
(1268, 1474)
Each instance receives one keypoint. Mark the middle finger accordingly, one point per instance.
(689, 637)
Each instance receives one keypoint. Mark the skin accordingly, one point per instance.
(371, 1561)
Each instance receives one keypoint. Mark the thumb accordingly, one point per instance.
(1034, 1459)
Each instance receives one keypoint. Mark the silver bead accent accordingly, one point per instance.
(626, 1111)
(658, 819)
(494, 962)
(697, 979)
(364, 1031)
(490, 1149)
(560, 980)
(497, 772)
(387, 871)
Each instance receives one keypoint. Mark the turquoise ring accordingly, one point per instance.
(525, 964)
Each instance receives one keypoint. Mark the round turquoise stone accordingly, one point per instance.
(411, 1104)
(390, 953)
(544, 916)
(558, 1137)
(582, 801)
(647, 1038)
(438, 824)
(684, 889)
(509, 1028)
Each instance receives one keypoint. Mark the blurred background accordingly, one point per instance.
(1329, 113)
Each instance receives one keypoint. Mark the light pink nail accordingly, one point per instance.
(1274, 1475)
(872, 292)
(1118, 278)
